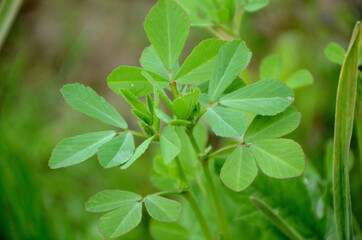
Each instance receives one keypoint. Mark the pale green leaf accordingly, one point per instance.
(299, 79)
(86, 100)
(201, 135)
(266, 97)
(232, 58)
(167, 26)
(162, 209)
(110, 199)
(138, 152)
(117, 151)
(121, 221)
(152, 62)
(131, 78)
(226, 122)
(279, 158)
(169, 143)
(167, 231)
(345, 107)
(268, 127)
(255, 5)
(198, 66)
(239, 170)
(77, 149)
(271, 67)
(335, 53)
(162, 116)
(192, 9)
(184, 105)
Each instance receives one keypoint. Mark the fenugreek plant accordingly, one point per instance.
(209, 84)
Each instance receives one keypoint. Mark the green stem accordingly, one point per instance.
(137, 134)
(222, 150)
(221, 217)
(193, 203)
(199, 216)
(222, 221)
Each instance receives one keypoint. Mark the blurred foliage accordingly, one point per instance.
(56, 42)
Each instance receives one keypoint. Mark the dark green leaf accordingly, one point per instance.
(345, 107)
(183, 106)
(133, 100)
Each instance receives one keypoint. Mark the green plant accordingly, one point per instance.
(211, 82)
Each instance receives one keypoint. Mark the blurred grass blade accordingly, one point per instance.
(8, 11)
(276, 220)
(359, 116)
(345, 106)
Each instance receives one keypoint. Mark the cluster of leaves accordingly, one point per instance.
(207, 82)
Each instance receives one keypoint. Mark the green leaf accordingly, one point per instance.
(345, 107)
(268, 127)
(152, 62)
(198, 66)
(110, 199)
(226, 122)
(183, 106)
(235, 85)
(167, 26)
(131, 78)
(299, 79)
(201, 135)
(117, 151)
(239, 170)
(162, 209)
(144, 116)
(77, 149)
(150, 104)
(255, 5)
(87, 101)
(271, 67)
(167, 231)
(232, 58)
(276, 220)
(179, 122)
(279, 158)
(163, 116)
(169, 143)
(159, 89)
(266, 97)
(192, 9)
(121, 221)
(133, 100)
(165, 176)
(335, 53)
(8, 11)
(138, 152)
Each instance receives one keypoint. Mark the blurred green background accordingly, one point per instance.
(52, 43)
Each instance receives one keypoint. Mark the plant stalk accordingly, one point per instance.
(193, 203)
(221, 217)
(199, 216)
